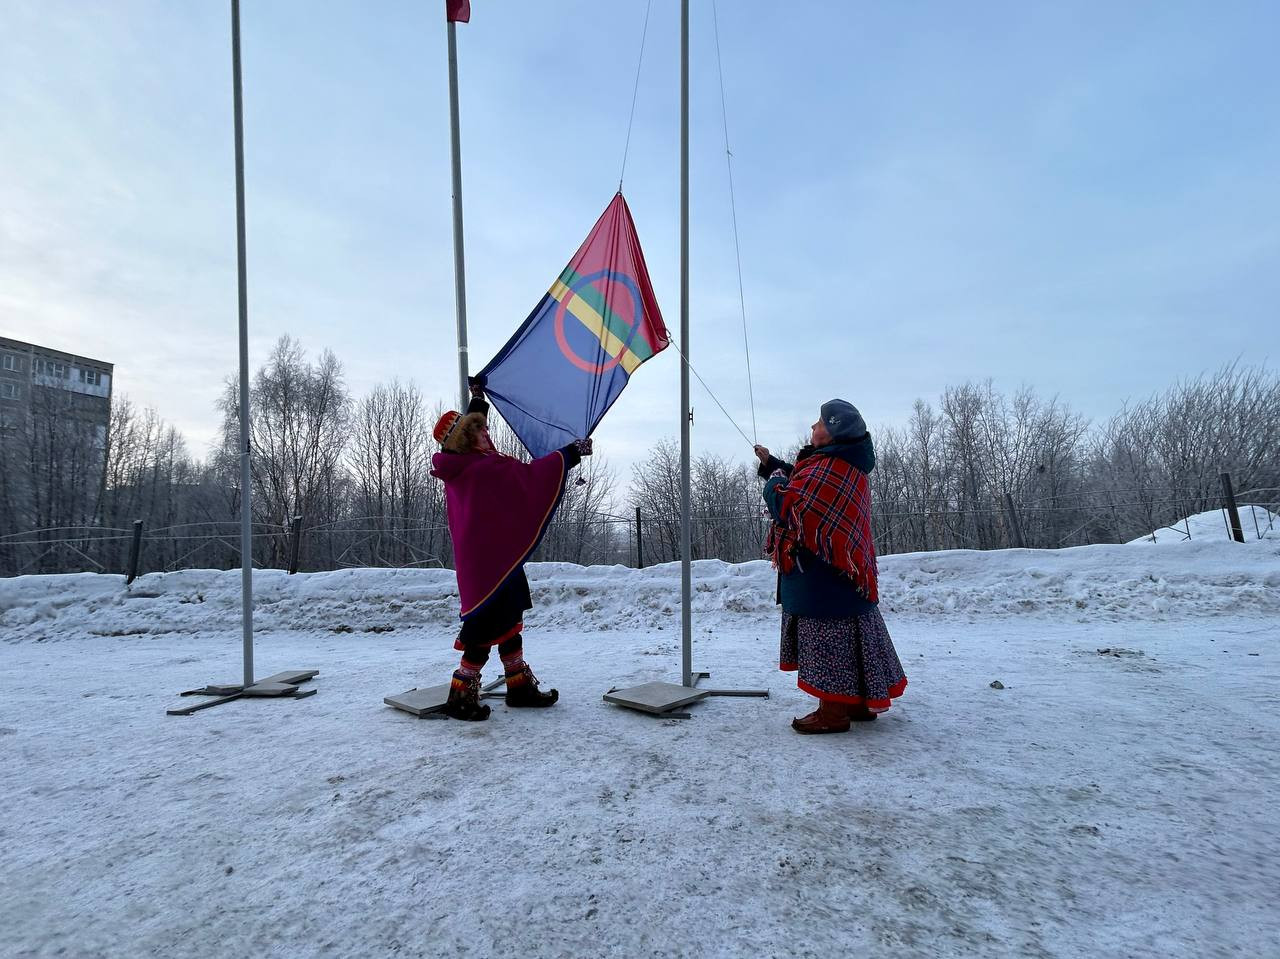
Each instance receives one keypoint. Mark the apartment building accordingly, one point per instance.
(36, 378)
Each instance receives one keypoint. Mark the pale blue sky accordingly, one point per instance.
(1080, 196)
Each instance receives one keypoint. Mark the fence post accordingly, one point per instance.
(1229, 494)
(135, 551)
(1014, 525)
(639, 542)
(295, 541)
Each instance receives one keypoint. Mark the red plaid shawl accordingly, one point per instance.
(826, 508)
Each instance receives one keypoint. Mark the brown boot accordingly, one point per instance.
(464, 700)
(522, 690)
(860, 714)
(829, 717)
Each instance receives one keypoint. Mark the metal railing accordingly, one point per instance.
(634, 539)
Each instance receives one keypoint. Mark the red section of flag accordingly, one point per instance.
(612, 246)
(458, 10)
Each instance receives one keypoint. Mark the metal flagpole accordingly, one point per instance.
(286, 683)
(430, 700)
(246, 478)
(459, 263)
(686, 533)
(658, 698)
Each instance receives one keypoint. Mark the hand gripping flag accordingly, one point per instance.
(570, 360)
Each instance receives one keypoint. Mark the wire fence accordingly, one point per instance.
(638, 538)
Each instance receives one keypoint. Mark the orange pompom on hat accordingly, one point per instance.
(445, 425)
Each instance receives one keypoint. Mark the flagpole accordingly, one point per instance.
(659, 698)
(459, 264)
(686, 533)
(281, 685)
(246, 475)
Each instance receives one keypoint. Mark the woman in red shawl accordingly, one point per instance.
(499, 508)
(833, 636)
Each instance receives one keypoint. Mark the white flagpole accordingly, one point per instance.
(281, 684)
(686, 532)
(459, 264)
(246, 476)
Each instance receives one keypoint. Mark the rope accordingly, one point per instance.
(634, 94)
(733, 208)
(709, 393)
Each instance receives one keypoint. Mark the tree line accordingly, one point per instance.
(357, 471)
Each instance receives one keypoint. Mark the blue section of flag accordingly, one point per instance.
(544, 397)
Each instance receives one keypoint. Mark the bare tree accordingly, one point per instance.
(298, 432)
(393, 495)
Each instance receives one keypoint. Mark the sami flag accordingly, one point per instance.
(571, 359)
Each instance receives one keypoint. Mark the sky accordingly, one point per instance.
(1080, 197)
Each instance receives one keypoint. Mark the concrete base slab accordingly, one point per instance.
(431, 699)
(280, 686)
(271, 689)
(656, 698)
(419, 702)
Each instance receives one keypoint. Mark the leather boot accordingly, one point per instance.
(829, 717)
(464, 700)
(522, 691)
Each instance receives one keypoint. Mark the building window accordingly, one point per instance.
(49, 368)
(91, 377)
(12, 362)
(8, 391)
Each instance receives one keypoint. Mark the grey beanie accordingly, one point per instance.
(843, 421)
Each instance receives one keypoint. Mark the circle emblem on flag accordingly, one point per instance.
(612, 281)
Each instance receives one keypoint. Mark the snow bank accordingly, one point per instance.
(1204, 578)
(1256, 521)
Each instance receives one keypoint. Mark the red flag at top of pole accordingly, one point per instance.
(458, 10)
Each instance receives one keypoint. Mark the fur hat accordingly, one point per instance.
(445, 425)
(842, 420)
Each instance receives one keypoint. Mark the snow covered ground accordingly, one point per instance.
(1213, 526)
(1116, 798)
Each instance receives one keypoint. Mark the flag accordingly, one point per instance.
(457, 10)
(571, 359)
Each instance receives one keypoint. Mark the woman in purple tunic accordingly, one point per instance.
(498, 508)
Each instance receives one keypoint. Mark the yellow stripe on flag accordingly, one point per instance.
(593, 321)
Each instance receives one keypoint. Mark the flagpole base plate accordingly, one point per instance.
(665, 700)
(429, 702)
(753, 693)
(280, 686)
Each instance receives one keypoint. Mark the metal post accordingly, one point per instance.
(295, 540)
(639, 541)
(281, 685)
(686, 580)
(657, 698)
(246, 487)
(1229, 494)
(1015, 526)
(459, 263)
(135, 551)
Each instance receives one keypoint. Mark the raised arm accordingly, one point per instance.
(478, 403)
(770, 463)
(573, 452)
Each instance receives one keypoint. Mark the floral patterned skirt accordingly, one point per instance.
(847, 660)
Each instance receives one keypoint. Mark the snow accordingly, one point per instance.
(1256, 522)
(1083, 583)
(1115, 798)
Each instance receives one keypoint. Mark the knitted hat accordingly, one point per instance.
(444, 426)
(843, 421)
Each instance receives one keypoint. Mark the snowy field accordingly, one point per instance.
(1118, 797)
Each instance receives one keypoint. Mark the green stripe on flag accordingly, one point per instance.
(638, 345)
